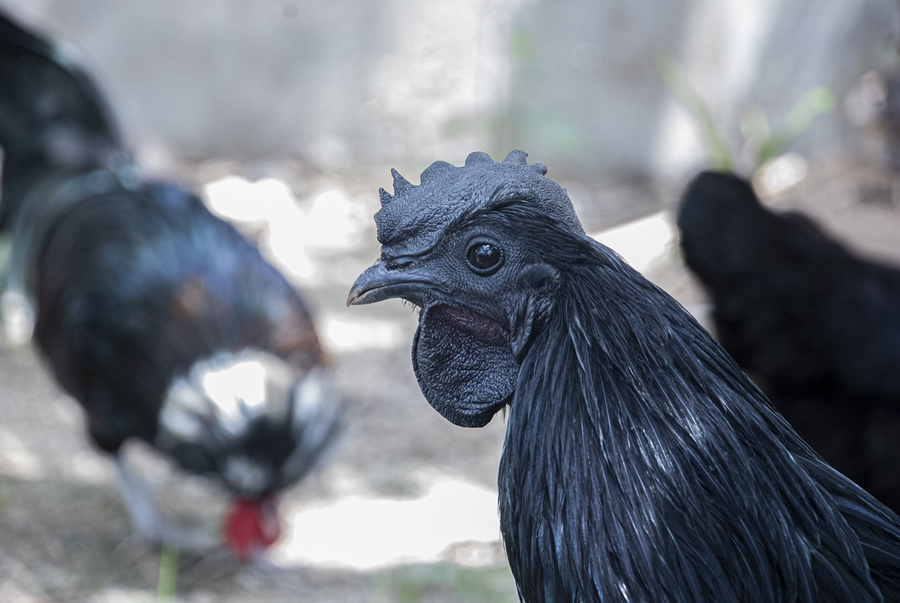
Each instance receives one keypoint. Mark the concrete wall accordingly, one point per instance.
(736, 54)
(406, 82)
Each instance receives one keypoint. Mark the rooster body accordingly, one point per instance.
(640, 463)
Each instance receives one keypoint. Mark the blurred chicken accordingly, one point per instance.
(156, 316)
(818, 327)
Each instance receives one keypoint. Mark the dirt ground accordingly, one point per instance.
(65, 534)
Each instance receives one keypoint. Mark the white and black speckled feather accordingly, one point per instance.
(223, 405)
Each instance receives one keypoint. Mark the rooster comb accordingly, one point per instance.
(414, 215)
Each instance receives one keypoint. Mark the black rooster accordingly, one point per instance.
(818, 327)
(640, 463)
(159, 318)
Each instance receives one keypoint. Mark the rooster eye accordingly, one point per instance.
(484, 258)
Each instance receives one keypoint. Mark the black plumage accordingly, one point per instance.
(816, 325)
(640, 463)
(160, 319)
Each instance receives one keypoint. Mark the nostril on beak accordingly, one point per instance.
(397, 263)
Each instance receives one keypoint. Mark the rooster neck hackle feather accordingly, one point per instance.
(650, 460)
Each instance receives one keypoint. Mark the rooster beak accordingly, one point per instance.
(378, 283)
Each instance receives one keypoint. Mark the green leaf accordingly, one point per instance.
(811, 105)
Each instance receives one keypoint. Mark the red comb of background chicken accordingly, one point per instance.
(252, 526)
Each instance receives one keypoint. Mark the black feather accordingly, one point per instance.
(816, 325)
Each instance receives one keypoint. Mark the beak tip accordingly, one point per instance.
(356, 292)
(377, 284)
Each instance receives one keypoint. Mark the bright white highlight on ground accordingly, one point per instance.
(296, 235)
(342, 335)
(367, 533)
(780, 173)
(641, 242)
(18, 317)
(17, 459)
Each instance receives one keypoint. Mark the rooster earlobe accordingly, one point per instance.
(464, 364)
(533, 309)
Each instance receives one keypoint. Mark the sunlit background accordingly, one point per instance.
(287, 115)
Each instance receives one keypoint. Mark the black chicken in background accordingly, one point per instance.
(157, 317)
(640, 463)
(816, 326)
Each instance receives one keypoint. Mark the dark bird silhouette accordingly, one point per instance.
(640, 463)
(157, 317)
(816, 326)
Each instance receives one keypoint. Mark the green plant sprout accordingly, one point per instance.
(168, 574)
(754, 122)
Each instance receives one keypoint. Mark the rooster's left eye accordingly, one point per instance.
(484, 258)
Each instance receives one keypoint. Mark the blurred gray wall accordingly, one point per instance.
(406, 82)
